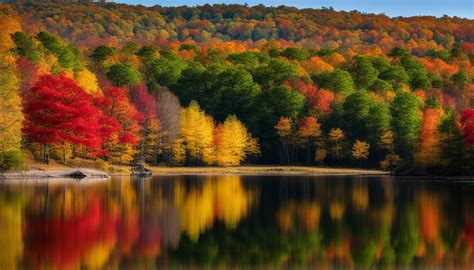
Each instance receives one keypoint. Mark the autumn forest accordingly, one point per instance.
(225, 85)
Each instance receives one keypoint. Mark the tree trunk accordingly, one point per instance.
(280, 152)
(46, 153)
(64, 154)
(73, 151)
(142, 148)
(142, 151)
(309, 154)
(292, 153)
(157, 151)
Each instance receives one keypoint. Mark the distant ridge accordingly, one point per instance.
(89, 25)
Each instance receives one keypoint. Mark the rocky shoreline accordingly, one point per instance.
(77, 173)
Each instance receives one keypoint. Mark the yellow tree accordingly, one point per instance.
(233, 142)
(320, 155)
(386, 141)
(88, 81)
(178, 152)
(120, 153)
(336, 137)
(197, 133)
(153, 141)
(317, 65)
(308, 131)
(10, 102)
(284, 129)
(360, 150)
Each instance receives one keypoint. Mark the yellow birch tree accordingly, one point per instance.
(233, 142)
(88, 81)
(197, 133)
(360, 150)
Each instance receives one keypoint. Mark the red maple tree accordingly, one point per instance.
(58, 111)
(143, 101)
(115, 104)
(467, 121)
(146, 105)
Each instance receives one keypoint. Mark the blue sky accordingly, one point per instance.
(460, 8)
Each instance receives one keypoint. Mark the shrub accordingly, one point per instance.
(12, 160)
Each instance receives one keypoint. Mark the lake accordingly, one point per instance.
(267, 221)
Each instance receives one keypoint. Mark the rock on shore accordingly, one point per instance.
(79, 174)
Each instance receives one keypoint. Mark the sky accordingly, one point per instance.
(393, 8)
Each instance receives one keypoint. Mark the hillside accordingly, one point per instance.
(89, 25)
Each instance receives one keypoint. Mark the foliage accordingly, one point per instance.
(405, 122)
(68, 57)
(389, 161)
(293, 53)
(58, 111)
(87, 81)
(284, 127)
(12, 160)
(317, 28)
(364, 73)
(378, 122)
(452, 144)
(320, 155)
(123, 74)
(197, 133)
(468, 126)
(26, 47)
(150, 137)
(428, 154)
(166, 69)
(168, 114)
(336, 138)
(356, 112)
(339, 81)
(274, 73)
(10, 101)
(360, 150)
(308, 129)
(233, 142)
(121, 128)
(101, 53)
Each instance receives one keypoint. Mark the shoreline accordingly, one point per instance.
(81, 174)
(48, 174)
(264, 170)
(56, 174)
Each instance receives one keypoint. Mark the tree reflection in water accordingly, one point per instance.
(331, 222)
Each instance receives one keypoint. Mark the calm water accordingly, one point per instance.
(330, 222)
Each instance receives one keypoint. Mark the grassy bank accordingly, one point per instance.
(263, 170)
(111, 169)
(240, 170)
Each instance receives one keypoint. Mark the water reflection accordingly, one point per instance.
(331, 222)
